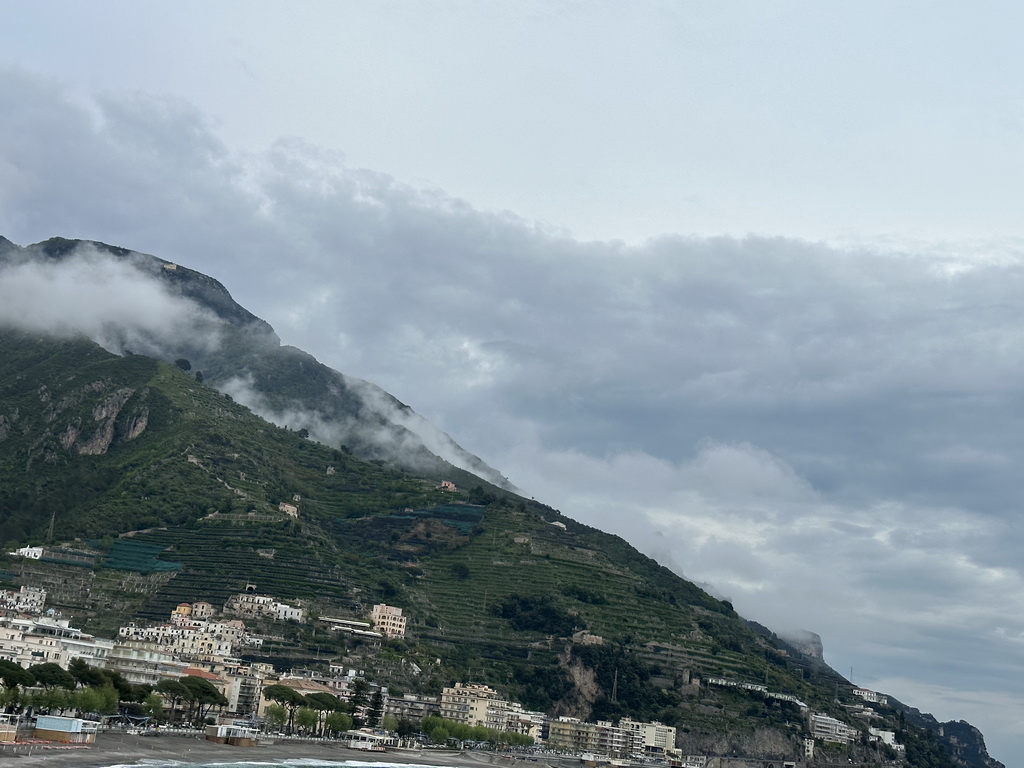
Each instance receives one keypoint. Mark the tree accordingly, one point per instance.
(137, 693)
(125, 690)
(357, 701)
(439, 735)
(14, 675)
(405, 727)
(477, 495)
(322, 702)
(276, 715)
(50, 675)
(173, 690)
(201, 696)
(325, 702)
(199, 377)
(184, 364)
(109, 700)
(306, 718)
(338, 722)
(10, 697)
(287, 697)
(153, 706)
(87, 700)
(53, 699)
(84, 674)
(376, 709)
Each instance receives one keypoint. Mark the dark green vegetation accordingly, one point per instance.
(86, 690)
(442, 731)
(150, 487)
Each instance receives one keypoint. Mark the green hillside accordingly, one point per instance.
(150, 488)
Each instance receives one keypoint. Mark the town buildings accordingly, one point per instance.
(27, 599)
(253, 606)
(196, 641)
(476, 704)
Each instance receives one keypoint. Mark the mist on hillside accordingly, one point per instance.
(119, 303)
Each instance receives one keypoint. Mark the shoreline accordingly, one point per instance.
(113, 748)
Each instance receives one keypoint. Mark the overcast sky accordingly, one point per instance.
(738, 281)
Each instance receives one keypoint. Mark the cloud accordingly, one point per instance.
(106, 299)
(827, 435)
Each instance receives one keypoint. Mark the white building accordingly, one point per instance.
(252, 605)
(140, 662)
(829, 729)
(34, 553)
(190, 638)
(20, 643)
(886, 737)
(872, 696)
(650, 738)
(25, 600)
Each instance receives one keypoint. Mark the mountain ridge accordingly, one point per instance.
(250, 362)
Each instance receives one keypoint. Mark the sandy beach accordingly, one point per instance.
(116, 748)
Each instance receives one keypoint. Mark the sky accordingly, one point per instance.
(737, 281)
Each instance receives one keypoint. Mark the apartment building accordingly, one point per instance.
(467, 703)
(140, 662)
(24, 600)
(18, 643)
(601, 738)
(412, 706)
(649, 738)
(388, 620)
(829, 729)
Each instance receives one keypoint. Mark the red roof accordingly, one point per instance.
(200, 672)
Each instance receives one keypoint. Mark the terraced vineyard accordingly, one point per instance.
(220, 560)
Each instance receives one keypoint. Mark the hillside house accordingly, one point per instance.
(388, 620)
(251, 605)
(33, 553)
(871, 696)
(25, 600)
(829, 729)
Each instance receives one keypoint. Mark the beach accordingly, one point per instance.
(118, 748)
